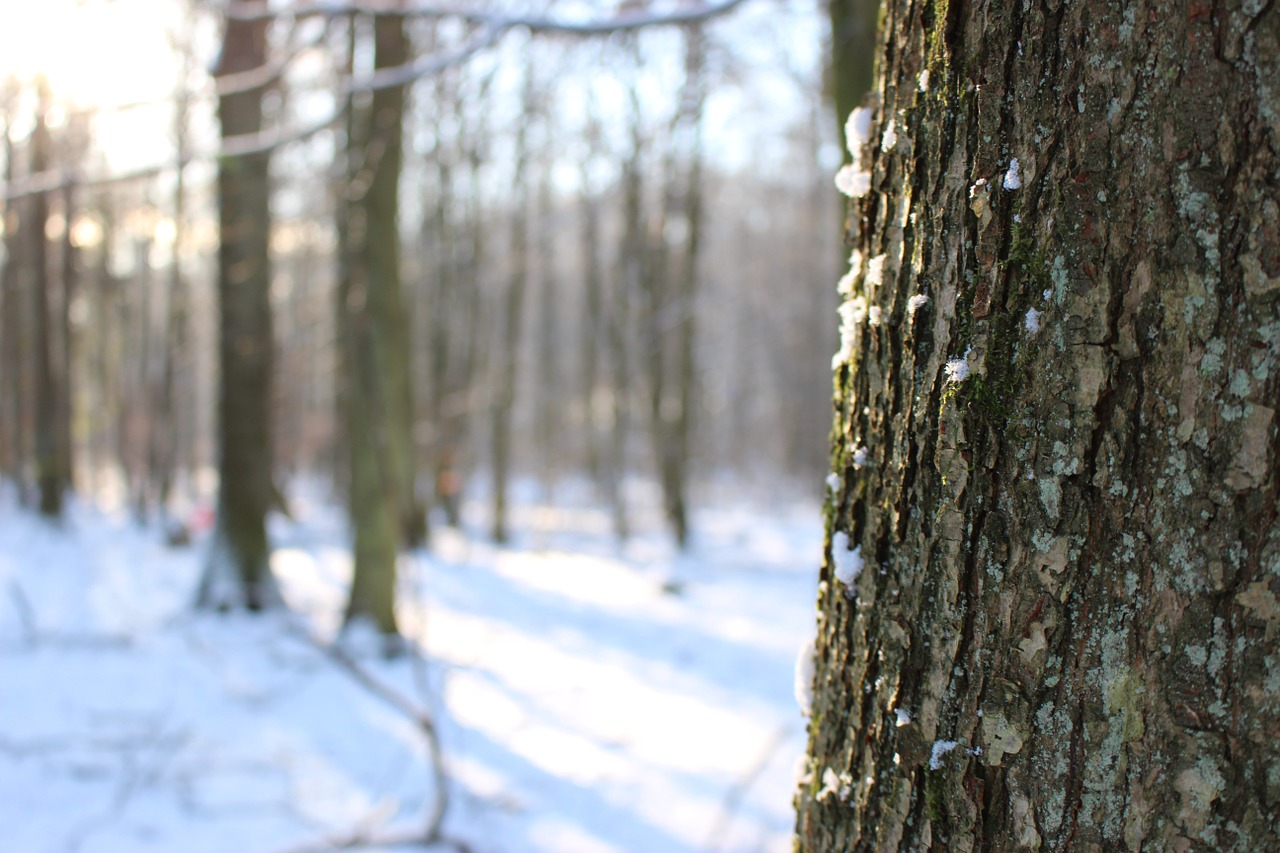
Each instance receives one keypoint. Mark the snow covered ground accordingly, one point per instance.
(581, 707)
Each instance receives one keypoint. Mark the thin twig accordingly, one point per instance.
(407, 707)
(733, 797)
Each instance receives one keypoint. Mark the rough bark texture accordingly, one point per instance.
(1063, 635)
(238, 572)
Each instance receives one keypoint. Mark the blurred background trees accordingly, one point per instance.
(424, 256)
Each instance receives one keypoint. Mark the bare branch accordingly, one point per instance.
(493, 27)
(626, 20)
(402, 703)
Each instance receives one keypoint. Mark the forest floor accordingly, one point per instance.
(582, 704)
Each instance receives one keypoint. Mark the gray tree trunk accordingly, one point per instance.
(1059, 474)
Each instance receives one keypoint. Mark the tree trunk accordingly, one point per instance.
(1056, 628)
(12, 313)
(237, 573)
(512, 321)
(67, 338)
(49, 461)
(374, 328)
(853, 52)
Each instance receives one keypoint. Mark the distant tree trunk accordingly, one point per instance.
(548, 425)
(140, 430)
(593, 337)
(237, 572)
(692, 99)
(13, 442)
(853, 51)
(384, 508)
(49, 461)
(512, 321)
(1048, 613)
(169, 440)
(66, 339)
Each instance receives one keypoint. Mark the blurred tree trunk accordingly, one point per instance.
(681, 425)
(670, 287)
(549, 399)
(49, 461)
(512, 318)
(66, 333)
(140, 422)
(385, 512)
(237, 572)
(170, 441)
(1060, 474)
(13, 436)
(853, 52)
(594, 328)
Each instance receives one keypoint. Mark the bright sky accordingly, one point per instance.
(94, 52)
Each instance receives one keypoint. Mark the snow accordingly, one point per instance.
(838, 785)
(1012, 178)
(940, 748)
(890, 137)
(848, 563)
(1031, 321)
(857, 130)
(924, 80)
(852, 313)
(957, 369)
(853, 182)
(915, 303)
(903, 717)
(875, 271)
(875, 315)
(580, 706)
(860, 456)
(805, 667)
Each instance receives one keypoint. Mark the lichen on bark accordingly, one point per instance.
(1072, 553)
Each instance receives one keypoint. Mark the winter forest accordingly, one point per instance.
(651, 425)
(318, 312)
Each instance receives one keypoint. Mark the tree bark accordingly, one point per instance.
(237, 572)
(1056, 629)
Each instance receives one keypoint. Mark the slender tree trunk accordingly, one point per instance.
(593, 337)
(512, 321)
(1059, 475)
(66, 340)
(238, 572)
(692, 100)
(13, 446)
(49, 461)
(170, 437)
(141, 426)
(548, 423)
